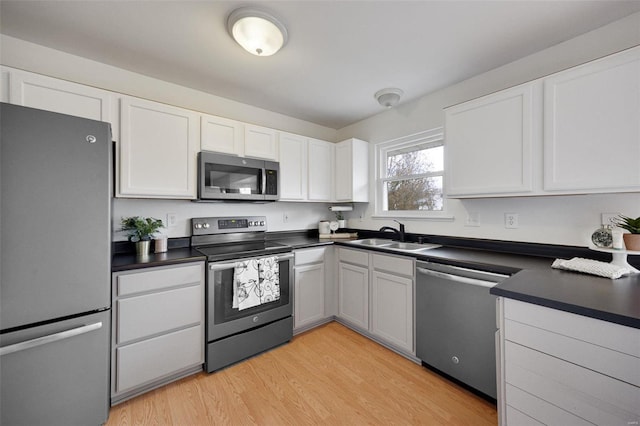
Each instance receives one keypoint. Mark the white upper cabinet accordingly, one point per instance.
(573, 132)
(158, 150)
(51, 94)
(221, 135)
(489, 143)
(352, 170)
(293, 167)
(592, 126)
(260, 142)
(320, 162)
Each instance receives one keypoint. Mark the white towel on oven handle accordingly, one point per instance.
(255, 281)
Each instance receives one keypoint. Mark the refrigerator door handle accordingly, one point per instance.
(28, 344)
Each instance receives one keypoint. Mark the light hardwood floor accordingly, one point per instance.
(327, 376)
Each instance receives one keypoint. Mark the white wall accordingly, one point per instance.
(27, 56)
(555, 220)
(300, 215)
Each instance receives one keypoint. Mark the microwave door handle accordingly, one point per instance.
(264, 181)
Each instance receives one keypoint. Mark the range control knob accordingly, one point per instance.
(249, 223)
(262, 223)
(197, 225)
(205, 225)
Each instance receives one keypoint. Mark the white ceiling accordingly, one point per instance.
(338, 55)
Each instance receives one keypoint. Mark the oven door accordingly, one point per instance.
(224, 320)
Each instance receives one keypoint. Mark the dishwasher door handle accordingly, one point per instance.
(457, 278)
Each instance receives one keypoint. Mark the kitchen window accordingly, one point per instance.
(410, 176)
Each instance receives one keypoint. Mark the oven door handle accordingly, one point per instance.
(221, 266)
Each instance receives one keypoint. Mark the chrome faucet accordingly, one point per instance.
(399, 232)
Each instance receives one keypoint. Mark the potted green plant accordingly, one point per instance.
(342, 223)
(140, 231)
(632, 239)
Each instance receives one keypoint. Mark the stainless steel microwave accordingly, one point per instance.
(224, 177)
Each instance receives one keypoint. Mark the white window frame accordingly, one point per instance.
(431, 138)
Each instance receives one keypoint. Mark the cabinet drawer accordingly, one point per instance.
(602, 333)
(394, 264)
(354, 256)
(604, 360)
(159, 278)
(304, 257)
(524, 409)
(582, 392)
(149, 360)
(146, 315)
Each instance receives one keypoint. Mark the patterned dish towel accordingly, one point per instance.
(256, 281)
(593, 267)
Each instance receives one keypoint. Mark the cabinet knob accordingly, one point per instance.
(455, 360)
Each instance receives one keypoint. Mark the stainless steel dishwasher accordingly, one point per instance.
(455, 323)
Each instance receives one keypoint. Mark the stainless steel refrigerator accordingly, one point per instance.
(55, 220)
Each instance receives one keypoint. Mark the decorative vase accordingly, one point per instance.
(632, 241)
(142, 248)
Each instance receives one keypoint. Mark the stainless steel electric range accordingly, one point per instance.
(249, 288)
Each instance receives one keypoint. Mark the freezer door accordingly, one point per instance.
(56, 215)
(56, 374)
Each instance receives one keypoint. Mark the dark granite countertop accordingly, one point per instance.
(128, 261)
(531, 279)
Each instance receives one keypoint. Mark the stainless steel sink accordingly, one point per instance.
(372, 242)
(394, 245)
(413, 247)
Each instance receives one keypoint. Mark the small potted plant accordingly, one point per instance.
(141, 230)
(631, 240)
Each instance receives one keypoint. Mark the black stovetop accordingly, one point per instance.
(229, 251)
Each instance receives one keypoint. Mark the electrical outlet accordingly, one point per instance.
(285, 217)
(511, 220)
(606, 218)
(473, 219)
(172, 220)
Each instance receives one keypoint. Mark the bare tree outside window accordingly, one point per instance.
(414, 179)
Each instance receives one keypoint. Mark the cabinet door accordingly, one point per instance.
(260, 142)
(221, 135)
(344, 172)
(353, 299)
(309, 294)
(320, 170)
(293, 167)
(158, 150)
(392, 309)
(51, 94)
(591, 131)
(489, 143)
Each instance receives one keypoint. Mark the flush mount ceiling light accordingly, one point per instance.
(388, 97)
(257, 31)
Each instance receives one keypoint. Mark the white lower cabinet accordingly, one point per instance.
(376, 296)
(158, 327)
(392, 300)
(309, 290)
(560, 368)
